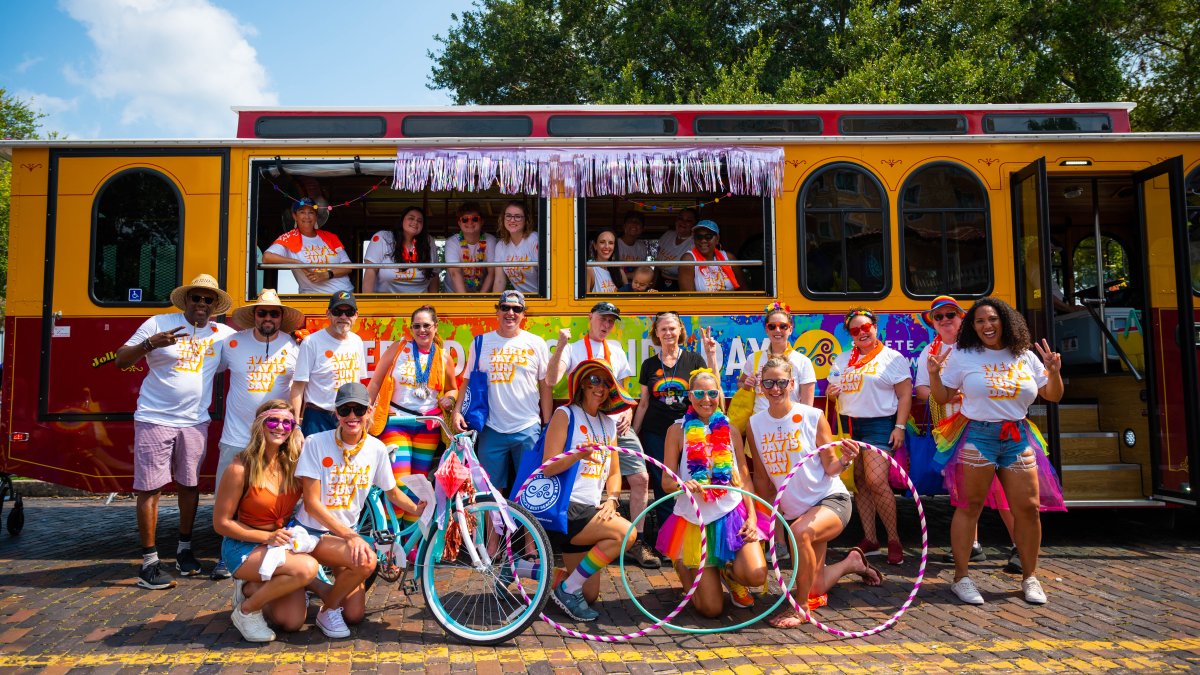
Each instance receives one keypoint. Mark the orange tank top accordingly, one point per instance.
(261, 508)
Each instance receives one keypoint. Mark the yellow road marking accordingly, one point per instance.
(933, 654)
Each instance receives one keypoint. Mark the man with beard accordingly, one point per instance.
(519, 401)
(170, 427)
(260, 360)
(328, 359)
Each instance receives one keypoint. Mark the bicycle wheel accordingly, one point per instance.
(482, 605)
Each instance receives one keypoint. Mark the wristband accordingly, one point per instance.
(330, 272)
(900, 427)
(147, 345)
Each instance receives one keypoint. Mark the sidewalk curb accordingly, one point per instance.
(38, 488)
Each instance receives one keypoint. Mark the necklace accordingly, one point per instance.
(708, 451)
(472, 276)
(669, 396)
(348, 454)
(421, 377)
(592, 436)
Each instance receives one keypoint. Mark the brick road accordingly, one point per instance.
(1122, 589)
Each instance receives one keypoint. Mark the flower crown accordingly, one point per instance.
(777, 307)
(858, 312)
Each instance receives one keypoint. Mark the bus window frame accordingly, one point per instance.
(257, 162)
(580, 255)
(1188, 210)
(802, 238)
(987, 224)
(92, 245)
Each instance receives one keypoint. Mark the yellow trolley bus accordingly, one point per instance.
(1090, 230)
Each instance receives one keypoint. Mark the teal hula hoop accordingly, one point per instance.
(775, 563)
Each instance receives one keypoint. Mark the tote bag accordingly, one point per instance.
(922, 446)
(741, 407)
(547, 498)
(835, 426)
(475, 396)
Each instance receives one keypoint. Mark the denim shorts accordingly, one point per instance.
(874, 430)
(235, 552)
(986, 439)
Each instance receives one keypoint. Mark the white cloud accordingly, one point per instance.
(45, 103)
(175, 65)
(27, 63)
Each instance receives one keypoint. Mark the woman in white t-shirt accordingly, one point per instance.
(604, 279)
(873, 388)
(409, 243)
(706, 237)
(705, 449)
(999, 377)
(594, 528)
(307, 244)
(518, 242)
(777, 320)
(471, 244)
(816, 503)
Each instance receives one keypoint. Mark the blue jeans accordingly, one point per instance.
(317, 420)
(500, 454)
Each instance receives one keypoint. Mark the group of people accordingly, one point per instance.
(296, 458)
(516, 241)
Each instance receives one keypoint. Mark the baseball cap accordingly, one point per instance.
(512, 298)
(352, 392)
(343, 298)
(606, 309)
(305, 203)
(706, 225)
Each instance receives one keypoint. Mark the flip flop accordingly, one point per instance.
(790, 617)
(865, 575)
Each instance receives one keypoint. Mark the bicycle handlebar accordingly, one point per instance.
(441, 422)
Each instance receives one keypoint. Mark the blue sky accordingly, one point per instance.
(173, 68)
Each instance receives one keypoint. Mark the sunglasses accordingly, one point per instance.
(771, 384)
(779, 326)
(700, 394)
(704, 235)
(206, 299)
(349, 409)
(515, 309)
(422, 326)
(595, 381)
(343, 311)
(469, 219)
(943, 317)
(279, 422)
(855, 330)
(268, 313)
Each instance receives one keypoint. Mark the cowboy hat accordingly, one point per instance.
(292, 317)
(203, 282)
(618, 400)
(938, 303)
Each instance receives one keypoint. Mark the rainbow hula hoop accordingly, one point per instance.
(723, 629)
(803, 611)
(686, 596)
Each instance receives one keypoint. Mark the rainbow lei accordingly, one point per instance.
(709, 451)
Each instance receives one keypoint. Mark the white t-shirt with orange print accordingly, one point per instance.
(327, 363)
(344, 485)
(514, 366)
(258, 372)
(319, 250)
(868, 389)
(524, 279)
(996, 386)
(780, 443)
(178, 385)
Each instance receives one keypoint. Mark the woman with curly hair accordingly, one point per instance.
(998, 376)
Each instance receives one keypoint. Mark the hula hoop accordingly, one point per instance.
(803, 611)
(723, 629)
(686, 596)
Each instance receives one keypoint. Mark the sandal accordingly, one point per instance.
(787, 619)
(865, 575)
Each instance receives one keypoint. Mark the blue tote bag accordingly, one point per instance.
(546, 498)
(926, 475)
(475, 396)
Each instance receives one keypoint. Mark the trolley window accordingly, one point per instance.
(467, 125)
(137, 230)
(611, 125)
(873, 125)
(775, 125)
(321, 126)
(646, 231)
(945, 247)
(843, 245)
(1036, 124)
(1193, 225)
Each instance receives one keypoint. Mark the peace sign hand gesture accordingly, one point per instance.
(1051, 359)
(708, 341)
(937, 362)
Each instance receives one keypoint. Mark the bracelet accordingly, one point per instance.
(900, 426)
(147, 345)
(330, 272)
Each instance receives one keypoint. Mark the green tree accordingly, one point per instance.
(17, 121)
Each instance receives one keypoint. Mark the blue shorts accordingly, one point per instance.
(985, 437)
(316, 420)
(500, 454)
(235, 552)
(874, 430)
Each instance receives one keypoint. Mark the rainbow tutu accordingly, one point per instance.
(679, 539)
(949, 434)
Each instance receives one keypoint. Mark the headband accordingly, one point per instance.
(777, 307)
(276, 411)
(858, 312)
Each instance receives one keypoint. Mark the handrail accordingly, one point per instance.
(1113, 341)
(510, 263)
(673, 263)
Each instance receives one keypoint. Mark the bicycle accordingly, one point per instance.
(468, 589)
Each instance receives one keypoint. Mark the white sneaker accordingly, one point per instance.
(253, 626)
(332, 624)
(238, 596)
(966, 591)
(1034, 594)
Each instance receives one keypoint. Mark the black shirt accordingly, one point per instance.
(668, 390)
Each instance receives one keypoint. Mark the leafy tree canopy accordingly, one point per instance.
(828, 51)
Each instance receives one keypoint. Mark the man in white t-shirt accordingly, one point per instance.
(328, 359)
(672, 246)
(596, 345)
(307, 244)
(629, 247)
(336, 470)
(260, 361)
(170, 427)
(519, 400)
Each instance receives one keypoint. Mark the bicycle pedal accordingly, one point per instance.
(383, 536)
(408, 584)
